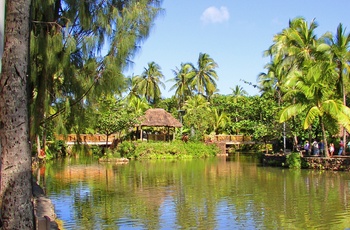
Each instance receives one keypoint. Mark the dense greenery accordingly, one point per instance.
(161, 150)
(303, 92)
(79, 50)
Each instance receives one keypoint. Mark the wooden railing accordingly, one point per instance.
(94, 139)
(227, 138)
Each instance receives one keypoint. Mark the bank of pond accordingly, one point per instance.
(296, 160)
(133, 150)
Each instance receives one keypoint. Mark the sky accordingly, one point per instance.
(235, 33)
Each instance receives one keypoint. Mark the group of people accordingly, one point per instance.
(318, 148)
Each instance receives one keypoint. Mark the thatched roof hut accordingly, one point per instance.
(159, 118)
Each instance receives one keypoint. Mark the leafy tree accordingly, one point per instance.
(15, 155)
(69, 71)
(114, 117)
(196, 116)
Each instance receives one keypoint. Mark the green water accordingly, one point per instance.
(217, 193)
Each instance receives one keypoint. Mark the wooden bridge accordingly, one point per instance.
(87, 139)
(100, 139)
(224, 142)
(229, 139)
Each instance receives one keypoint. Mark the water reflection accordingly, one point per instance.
(218, 193)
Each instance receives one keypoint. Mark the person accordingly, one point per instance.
(349, 145)
(185, 137)
(331, 149)
(307, 147)
(315, 148)
(321, 147)
(341, 147)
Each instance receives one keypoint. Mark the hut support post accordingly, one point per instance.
(141, 138)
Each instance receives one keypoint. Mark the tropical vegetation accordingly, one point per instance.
(302, 94)
(74, 87)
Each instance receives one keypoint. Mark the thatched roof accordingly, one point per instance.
(159, 118)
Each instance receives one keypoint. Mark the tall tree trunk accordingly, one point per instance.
(344, 130)
(324, 136)
(16, 176)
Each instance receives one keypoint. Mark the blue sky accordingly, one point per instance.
(235, 33)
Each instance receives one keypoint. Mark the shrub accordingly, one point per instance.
(126, 149)
(294, 160)
(175, 149)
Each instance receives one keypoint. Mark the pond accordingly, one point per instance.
(218, 193)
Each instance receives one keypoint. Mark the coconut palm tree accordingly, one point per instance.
(149, 81)
(238, 91)
(272, 81)
(16, 158)
(220, 119)
(204, 80)
(341, 56)
(313, 92)
(197, 113)
(293, 48)
(138, 105)
(182, 82)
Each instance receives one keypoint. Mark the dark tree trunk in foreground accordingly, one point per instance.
(16, 177)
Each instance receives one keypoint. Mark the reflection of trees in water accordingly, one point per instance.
(195, 190)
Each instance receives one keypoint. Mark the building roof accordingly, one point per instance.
(159, 118)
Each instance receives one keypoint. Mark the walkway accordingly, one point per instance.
(88, 139)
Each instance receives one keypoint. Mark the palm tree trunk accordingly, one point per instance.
(15, 155)
(343, 128)
(324, 138)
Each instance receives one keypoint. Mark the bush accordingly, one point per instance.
(294, 160)
(56, 149)
(175, 149)
(126, 149)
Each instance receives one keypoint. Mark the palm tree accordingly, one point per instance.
(340, 51)
(294, 47)
(272, 81)
(237, 92)
(219, 120)
(297, 44)
(149, 81)
(313, 92)
(138, 105)
(197, 113)
(204, 80)
(182, 83)
(16, 158)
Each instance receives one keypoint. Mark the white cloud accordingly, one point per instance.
(215, 15)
